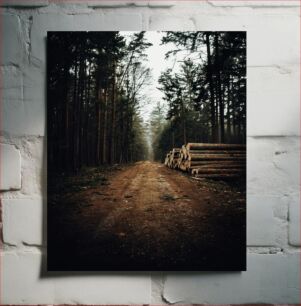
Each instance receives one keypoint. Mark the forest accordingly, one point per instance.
(206, 99)
(94, 83)
(95, 96)
(121, 103)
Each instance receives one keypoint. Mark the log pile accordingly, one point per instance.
(206, 160)
(172, 158)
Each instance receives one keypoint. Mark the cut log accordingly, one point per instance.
(192, 152)
(184, 151)
(180, 159)
(182, 167)
(174, 163)
(201, 157)
(215, 146)
(211, 157)
(217, 171)
(166, 159)
(214, 162)
(205, 160)
(220, 166)
(200, 177)
(218, 176)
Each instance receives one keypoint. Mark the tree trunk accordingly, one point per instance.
(211, 88)
(105, 119)
(112, 157)
(220, 101)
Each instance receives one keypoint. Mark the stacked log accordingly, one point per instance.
(206, 160)
(166, 161)
(172, 158)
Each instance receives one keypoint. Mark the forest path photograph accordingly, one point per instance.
(146, 151)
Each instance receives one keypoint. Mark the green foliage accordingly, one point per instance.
(206, 98)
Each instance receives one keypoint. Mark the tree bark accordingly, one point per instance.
(211, 88)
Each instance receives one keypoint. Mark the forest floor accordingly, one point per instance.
(145, 216)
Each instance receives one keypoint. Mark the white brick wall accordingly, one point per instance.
(272, 165)
(23, 220)
(285, 97)
(269, 279)
(14, 47)
(273, 30)
(24, 283)
(261, 229)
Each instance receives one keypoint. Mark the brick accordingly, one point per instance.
(122, 4)
(267, 221)
(21, 280)
(67, 7)
(34, 102)
(294, 220)
(273, 165)
(12, 45)
(261, 223)
(88, 22)
(23, 90)
(161, 3)
(22, 283)
(287, 159)
(34, 167)
(24, 3)
(122, 22)
(257, 4)
(278, 89)
(269, 279)
(170, 23)
(23, 221)
(277, 38)
(23, 104)
(115, 4)
(10, 167)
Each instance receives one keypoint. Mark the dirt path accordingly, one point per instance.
(152, 217)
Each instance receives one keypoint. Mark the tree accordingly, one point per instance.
(94, 85)
(212, 82)
(157, 125)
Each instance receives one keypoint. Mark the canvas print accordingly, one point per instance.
(146, 140)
